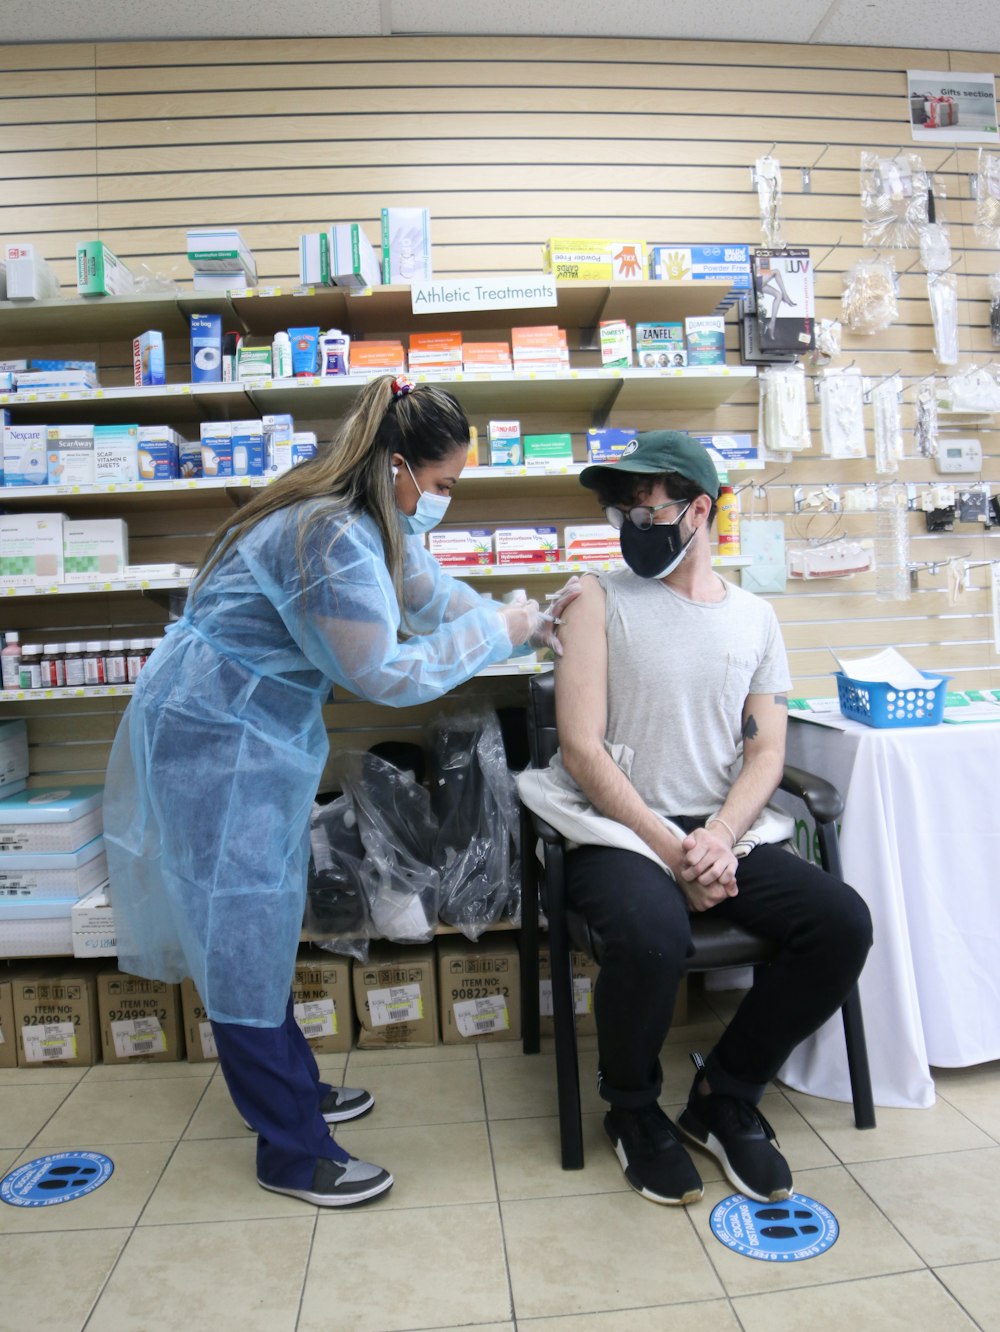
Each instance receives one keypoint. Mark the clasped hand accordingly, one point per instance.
(707, 873)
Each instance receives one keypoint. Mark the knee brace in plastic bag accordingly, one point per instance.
(336, 899)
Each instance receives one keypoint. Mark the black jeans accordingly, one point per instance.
(822, 927)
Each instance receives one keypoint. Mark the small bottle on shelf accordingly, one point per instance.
(52, 666)
(135, 653)
(115, 670)
(93, 662)
(728, 521)
(73, 665)
(31, 666)
(10, 659)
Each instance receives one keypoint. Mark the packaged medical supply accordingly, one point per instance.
(35, 381)
(487, 357)
(189, 461)
(49, 364)
(31, 550)
(71, 455)
(592, 541)
(334, 353)
(157, 453)
(303, 446)
(206, 349)
(616, 344)
(221, 282)
(435, 351)
(253, 362)
(377, 358)
(305, 350)
(29, 277)
(526, 545)
(660, 346)
(216, 448)
(735, 452)
(472, 457)
(248, 447)
(727, 524)
(25, 455)
(406, 245)
(505, 443)
(10, 666)
(353, 261)
(148, 364)
(473, 546)
(706, 339)
(608, 443)
(99, 272)
(231, 344)
(541, 348)
(594, 260)
(94, 549)
(278, 431)
(94, 933)
(281, 355)
(548, 448)
(702, 263)
(116, 453)
(221, 250)
(13, 753)
(314, 259)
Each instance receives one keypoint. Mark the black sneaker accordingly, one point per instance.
(652, 1155)
(339, 1183)
(342, 1103)
(741, 1140)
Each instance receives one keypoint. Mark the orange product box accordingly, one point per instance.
(537, 340)
(486, 353)
(378, 356)
(448, 343)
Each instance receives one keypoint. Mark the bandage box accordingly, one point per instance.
(616, 344)
(25, 455)
(585, 972)
(701, 263)
(116, 453)
(8, 1037)
(31, 549)
(593, 541)
(48, 820)
(94, 932)
(206, 349)
(248, 447)
(406, 245)
(199, 1038)
(395, 997)
(99, 272)
(189, 460)
(548, 448)
(156, 453)
(660, 346)
(216, 448)
(278, 431)
(505, 443)
(526, 545)
(736, 452)
(140, 1019)
(353, 261)
(608, 443)
(472, 546)
(706, 339)
(479, 990)
(148, 364)
(94, 550)
(594, 260)
(13, 767)
(303, 446)
(70, 455)
(321, 1000)
(314, 263)
(55, 1016)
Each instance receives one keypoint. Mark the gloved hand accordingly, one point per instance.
(522, 620)
(566, 594)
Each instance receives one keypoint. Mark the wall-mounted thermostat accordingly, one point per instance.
(959, 455)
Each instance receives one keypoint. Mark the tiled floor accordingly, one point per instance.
(482, 1227)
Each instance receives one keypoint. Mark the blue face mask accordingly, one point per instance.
(430, 509)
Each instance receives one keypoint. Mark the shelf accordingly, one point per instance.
(206, 492)
(517, 571)
(694, 386)
(89, 589)
(74, 691)
(93, 319)
(156, 405)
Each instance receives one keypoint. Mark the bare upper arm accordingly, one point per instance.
(582, 671)
(765, 721)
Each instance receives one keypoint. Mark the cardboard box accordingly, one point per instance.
(31, 549)
(594, 260)
(25, 455)
(395, 997)
(314, 259)
(616, 344)
(406, 245)
(70, 455)
(706, 339)
(377, 357)
(116, 454)
(353, 261)
(140, 1019)
(585, 973)
(548, 448)
(198, 1035)
(248, 447)
(206, 349)
(221, 250)
(608, 443)
(321, 1000)
(479, 988)
(660, 346)
(99, 272)
(216, 448)
(148, 364)
(701, 263)
(505, 443)
(45, 820)
(8, 1039)
(592, 541)
(453, 547)
(13, 768)
(94, 932)
(156, 453)
(526, 545)
(94, 549)
(28, 276)
(55, 1016)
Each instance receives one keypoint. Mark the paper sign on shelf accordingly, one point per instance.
(515, 291)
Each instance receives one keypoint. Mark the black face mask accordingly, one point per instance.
(655, 552)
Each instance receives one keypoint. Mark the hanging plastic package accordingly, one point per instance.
(768, 170)
(783, 414)
(935, 247)
(842, 414)
(888, 428)
(925, 430)
(475, 800)
(337, 909)
(868, 304)
(763, 544)
(988, 198)
(995, 309)
(893, 199)
(942, 292)
(398, 830)
(892, 546)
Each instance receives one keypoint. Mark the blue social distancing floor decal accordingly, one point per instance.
(785, 1232)
(59, 1178)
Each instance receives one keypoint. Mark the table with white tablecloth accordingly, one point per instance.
(920, 841)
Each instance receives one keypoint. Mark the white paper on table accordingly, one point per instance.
(886, 667)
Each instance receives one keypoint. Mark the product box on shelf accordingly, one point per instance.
(540, 349)
(206, 349)
(31, 549)
(49, 381)
(99, 272)
(55, 1015)
(94, 549)
(353, 261)
(221, 250)
(13, 772)
(52, 878)
(505, 443)
(116, 453)
(8, 1032)
(592, 541)
(616, 344)
(548, 448)
(321, 1000)
(594, 260)
(29, 276)
(71, 455)
(395, 997)
(377, 358)
(140, 1019)
(735, 451)
(609, 443)
(199, 1038)
(406, 245)
(585, 972)
(189, 459)
(314, 261)
(254, 363)
(45, 820)
(25, 455)
(303, 446)
(471, 546)
(706, 339)
(148, 364)
(216, 448)
(278, 430)
(472, 456)
(156, 453)
(93, 923)
(701, 263)
(526, 545)
(248, 447)
(487, 357)
(660, 346)
(479, 989)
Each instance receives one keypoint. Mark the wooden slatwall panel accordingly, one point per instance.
(506, 141)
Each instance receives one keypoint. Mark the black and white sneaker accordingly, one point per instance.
(654, 1159)
(339, 1183)
(741, 1140)
(341, 1103)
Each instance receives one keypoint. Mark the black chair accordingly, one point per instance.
(717, 943)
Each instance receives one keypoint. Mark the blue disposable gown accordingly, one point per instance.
(218, 757)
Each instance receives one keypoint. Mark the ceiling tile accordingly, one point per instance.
(113, 20)
(925, 24)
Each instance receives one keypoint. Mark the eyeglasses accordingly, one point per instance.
(641, 516)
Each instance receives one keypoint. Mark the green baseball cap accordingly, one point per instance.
(657, 451)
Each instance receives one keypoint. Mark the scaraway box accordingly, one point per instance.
(479, 988)
(140, 1019)
(198, 1035)
(395, 996)
(55, 1016)
(321, 1000)
(585, 972)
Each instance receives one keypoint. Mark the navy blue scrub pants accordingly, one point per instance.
(275, 1085)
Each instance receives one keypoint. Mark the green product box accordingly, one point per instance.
(548, 448)
(99, 272)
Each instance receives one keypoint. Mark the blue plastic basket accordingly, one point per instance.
(881, 705)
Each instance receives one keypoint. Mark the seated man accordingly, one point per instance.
(671, 709)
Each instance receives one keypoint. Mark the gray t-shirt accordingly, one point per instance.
(679, 672)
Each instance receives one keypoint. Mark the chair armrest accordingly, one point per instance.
(822, 799)
(544, 830)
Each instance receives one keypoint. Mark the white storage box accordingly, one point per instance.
(94, 933)
(13, 759)
(35, 929)
(50, 821)
(53, 878)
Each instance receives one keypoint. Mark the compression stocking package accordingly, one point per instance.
(783, 286)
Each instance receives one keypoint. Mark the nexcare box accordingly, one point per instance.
(353, 261)
(527, 545)
(31, 549)
(406, 245)
(608, 443)
(157, 456)
(99, 272)
(206, 349)
(25, 455)
(116, 453)
(71, 455)
(216, 448)
(94, 549)
(473, 546)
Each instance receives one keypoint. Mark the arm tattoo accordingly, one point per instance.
(750, 728)
(781, 700)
